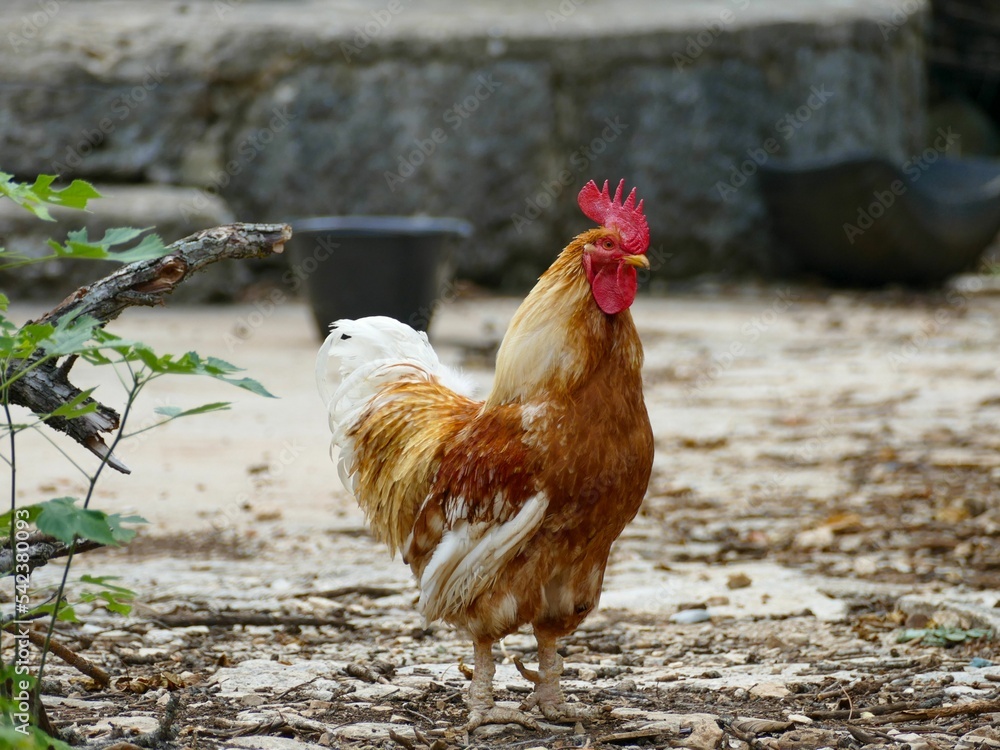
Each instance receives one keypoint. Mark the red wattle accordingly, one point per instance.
(614, 287)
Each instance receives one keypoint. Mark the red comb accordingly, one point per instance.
(626, 217)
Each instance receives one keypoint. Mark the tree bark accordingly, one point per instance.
(146, 282)
(38, 549)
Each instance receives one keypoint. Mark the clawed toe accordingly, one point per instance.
(560, 712)
(529, 674)
(564, 713)
(498, 715)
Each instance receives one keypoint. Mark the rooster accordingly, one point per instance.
(505, 509)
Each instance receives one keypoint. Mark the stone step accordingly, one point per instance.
(496, 112)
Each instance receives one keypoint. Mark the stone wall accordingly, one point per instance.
(496, 112)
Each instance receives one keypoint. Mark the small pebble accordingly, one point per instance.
(979, 662)
(690, 616)
(160, 637)
(738, 581)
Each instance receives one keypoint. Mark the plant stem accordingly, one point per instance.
(13, 500)
(137, 384)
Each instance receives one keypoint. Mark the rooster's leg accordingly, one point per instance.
(481, 707)
(548, 696)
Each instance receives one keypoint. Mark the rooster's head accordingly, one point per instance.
(613, 252)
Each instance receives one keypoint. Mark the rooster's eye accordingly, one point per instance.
(608, 245)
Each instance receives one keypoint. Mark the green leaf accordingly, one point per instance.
(24, 196)
(64, 520)
(75, 195)
(249, 384)
(32, 738)
(70, 335)
(119, 532)
(26, 514)
(151, 246)
(104, 582)
(942, 636)
(33, 197)
(79, 245)
(121, 235)
(193, 364)
(175, 411)
(114, 604)
(66, 611)
(76, 408)
(109, 342)
(24, 342)
(110, 601)
(219, 368)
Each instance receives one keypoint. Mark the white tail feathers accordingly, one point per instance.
(361, 356)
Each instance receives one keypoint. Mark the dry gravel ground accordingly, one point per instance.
(826, 476)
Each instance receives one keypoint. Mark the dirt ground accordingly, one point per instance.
(825, 486)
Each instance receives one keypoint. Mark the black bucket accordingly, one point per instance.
(862, 220)
(356, 266)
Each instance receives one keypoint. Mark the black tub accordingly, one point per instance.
(354, 266)
(862, 220)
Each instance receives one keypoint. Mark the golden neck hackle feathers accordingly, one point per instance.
(559, 335)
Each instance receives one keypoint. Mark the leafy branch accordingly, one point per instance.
(37, 358)
(35, 363)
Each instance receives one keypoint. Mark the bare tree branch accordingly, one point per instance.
(146, 282)
(65, 653)
(38, 549)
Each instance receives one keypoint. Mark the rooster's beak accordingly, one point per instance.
(638, 261)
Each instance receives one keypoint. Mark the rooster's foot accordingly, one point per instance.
(559, 711)
(498, 715)
(548, 697)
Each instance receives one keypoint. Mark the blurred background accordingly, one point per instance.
(820, 322)
(190, 114)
